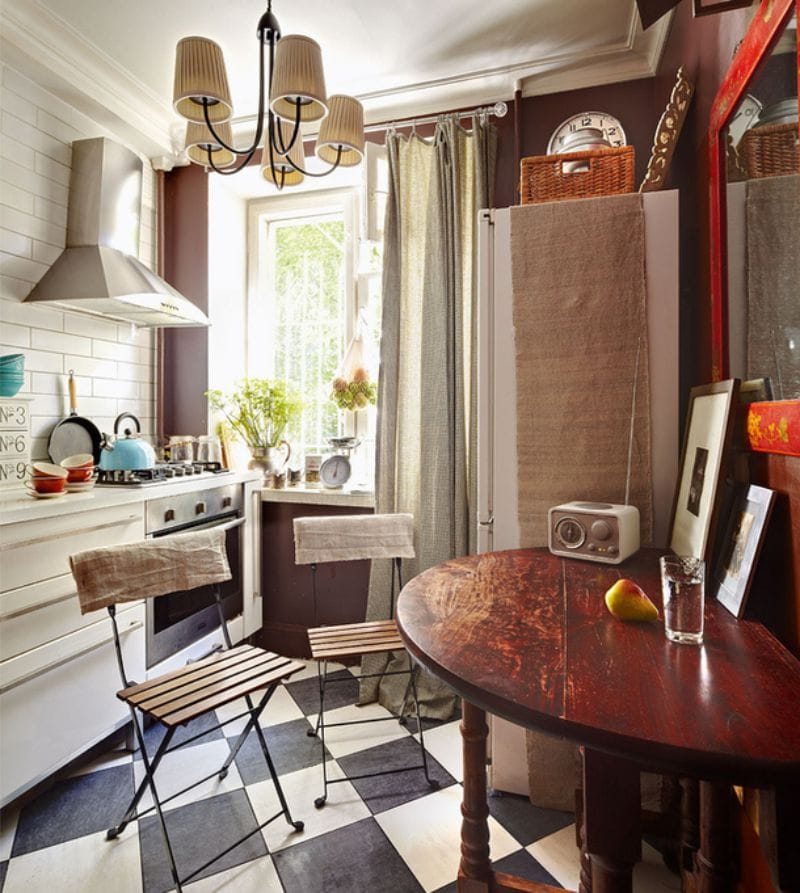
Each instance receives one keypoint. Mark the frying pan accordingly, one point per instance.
(74, 434)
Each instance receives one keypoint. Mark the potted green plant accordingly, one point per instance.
(259, 410)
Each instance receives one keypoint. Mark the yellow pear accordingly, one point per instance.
(627, 601)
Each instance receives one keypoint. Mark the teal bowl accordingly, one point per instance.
(15, 361)
(9, 387)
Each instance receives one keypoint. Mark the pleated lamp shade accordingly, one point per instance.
(200, 73)
(199, 139)
(343, 127)
(298, 74)
(290, 176)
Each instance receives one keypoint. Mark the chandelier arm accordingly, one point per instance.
(285, 148)
(250, 151)
(330, 170)
(229, 170)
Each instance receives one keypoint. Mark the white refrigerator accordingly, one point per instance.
(498, 527)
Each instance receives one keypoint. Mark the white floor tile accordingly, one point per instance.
(116, 757)
(8, 828)
(280, 708)
(558, 854)
(427, 834)
(258, 876)
(561, 857)
(301, 788)
(350, 739)
(88, 864)
(445, 745)
(186, 765)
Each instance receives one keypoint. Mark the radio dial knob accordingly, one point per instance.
(601, 530)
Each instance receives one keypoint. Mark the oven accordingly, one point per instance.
(179, 619)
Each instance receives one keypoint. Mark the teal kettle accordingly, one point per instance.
(126, 451)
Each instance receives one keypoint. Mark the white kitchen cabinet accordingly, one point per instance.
(58, 671)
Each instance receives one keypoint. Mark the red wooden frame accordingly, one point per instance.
(762, 35)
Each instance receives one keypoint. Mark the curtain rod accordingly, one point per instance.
(499, 110)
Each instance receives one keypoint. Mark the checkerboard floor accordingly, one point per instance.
(392, 834)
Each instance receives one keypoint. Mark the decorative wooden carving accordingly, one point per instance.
(667, 133)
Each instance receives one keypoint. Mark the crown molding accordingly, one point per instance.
(52, 53)
(49, 51)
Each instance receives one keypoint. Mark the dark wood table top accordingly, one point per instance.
(525, 635)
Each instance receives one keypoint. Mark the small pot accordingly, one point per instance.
(127, 452)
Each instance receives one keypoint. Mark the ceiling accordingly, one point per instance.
(114, 61)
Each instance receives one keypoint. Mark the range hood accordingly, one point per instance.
(98, 272)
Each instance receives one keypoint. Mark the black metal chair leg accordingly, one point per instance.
(312, 733)
(320, 801)
(413, 682)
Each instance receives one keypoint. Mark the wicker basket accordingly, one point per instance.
(550, 178)
(771, 150)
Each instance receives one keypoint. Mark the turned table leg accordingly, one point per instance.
(715, 861)
(612, 820)
(475, 874)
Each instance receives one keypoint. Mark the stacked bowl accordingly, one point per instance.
(12, 374)
(80, 472)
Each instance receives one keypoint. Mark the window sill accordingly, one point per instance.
(319, 496)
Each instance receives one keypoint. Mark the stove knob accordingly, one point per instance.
(169, 472)
(169, 515)
(200, 508)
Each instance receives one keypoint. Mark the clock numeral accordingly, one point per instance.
(586, 122)
(573, 128)
(612, 131)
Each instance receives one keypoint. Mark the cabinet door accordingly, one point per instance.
(59, 699)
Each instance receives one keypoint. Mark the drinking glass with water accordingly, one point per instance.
(683, 591)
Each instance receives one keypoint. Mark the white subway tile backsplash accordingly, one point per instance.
(21, 267)
(14, 289)
(34, 183)
(32, 226)
(14, 336)
(17, 198)
(114, 363)
(90, 367)
(16, 243)
(45, 253)
(15, 151)
(31, 315)
(90, 326)
(31, 135)
(61, 342)
(50, 211)
(54, 170)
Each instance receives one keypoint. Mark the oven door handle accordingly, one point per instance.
(215, 525)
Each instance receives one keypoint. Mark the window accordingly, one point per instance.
(313, 286)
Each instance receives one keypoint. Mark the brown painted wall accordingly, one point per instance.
(186, 268)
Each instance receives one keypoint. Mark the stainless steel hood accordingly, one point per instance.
(98, 272)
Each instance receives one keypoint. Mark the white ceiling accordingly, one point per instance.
(114, 59)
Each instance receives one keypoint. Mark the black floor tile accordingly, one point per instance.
(521, 864)
(524, 821)
(355, 859)
(290, 747)
(74, 807)
(341, 691)
(197, 832)
(3, 870)
(387, 791)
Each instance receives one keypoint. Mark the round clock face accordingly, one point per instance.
(568, 132)
(335, 471)
(745, 116)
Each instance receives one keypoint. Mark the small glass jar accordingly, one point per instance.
(181, 448)
(208, 449)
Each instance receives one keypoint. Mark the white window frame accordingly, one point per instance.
(262, 212)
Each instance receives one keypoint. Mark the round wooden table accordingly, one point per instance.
(525, 635)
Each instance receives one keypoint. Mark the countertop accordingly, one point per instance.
(319, 496)
(17, 505)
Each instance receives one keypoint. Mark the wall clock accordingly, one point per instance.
(586, 130)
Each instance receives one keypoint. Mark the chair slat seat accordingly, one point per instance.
(354, 639)
(185, 694)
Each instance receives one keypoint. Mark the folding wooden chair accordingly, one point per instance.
(350, 538)
(106, 576)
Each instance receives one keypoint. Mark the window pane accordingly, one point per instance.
(308, 318)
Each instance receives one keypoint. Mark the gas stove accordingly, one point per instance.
(161, 473)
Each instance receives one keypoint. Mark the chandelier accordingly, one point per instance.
(294, 89)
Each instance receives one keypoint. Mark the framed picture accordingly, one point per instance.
(706, 444)
(741, 545)
(709, 7)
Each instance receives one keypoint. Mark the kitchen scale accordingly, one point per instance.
(337, 469)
